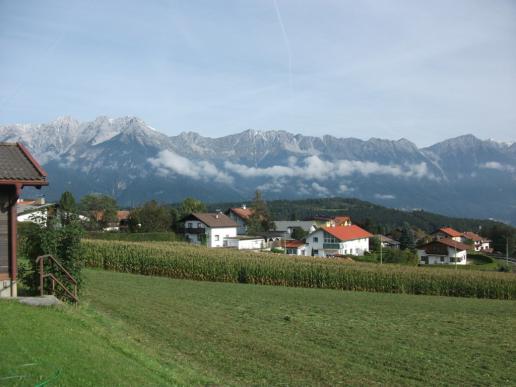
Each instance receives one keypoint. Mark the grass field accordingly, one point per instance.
(136, 330)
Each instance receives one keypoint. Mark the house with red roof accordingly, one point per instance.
(479, 243)
(294, 247)
(240, 215)
(337, 240)
(443, 251)
(448, 232)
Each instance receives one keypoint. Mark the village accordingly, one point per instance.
(322, 236)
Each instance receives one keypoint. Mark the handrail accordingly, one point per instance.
(42, 277)
(53, 278)
(58, 264)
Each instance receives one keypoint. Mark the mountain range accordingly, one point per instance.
(126, 158)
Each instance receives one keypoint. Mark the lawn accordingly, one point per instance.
(135, 330)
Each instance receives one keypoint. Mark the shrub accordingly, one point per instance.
(64, 243)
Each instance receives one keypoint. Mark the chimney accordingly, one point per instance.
(244, 206)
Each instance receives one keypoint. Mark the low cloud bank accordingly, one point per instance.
(312, 170)
(169, 162)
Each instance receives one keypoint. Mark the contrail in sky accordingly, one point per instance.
(285, 40)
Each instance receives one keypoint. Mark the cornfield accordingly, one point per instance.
(183, 261)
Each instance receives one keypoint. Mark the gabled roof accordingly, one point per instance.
(386, 239)
(448, 231)
(17, 166)
(347, 233)
(339, 220)
(123, 214)
(474, 237)
(448, 242)
(293, 244)
(284, 225)
(214, 219)
(243, 213)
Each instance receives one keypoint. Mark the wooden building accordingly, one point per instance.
(18, 169)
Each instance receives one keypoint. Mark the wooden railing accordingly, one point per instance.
(68, 276)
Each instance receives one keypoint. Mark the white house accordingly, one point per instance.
(211, 229)
(242, 242)
(443, 251)
(448, 232)
(338, 240)
(479, 243)
(240, 215)
(34, 211)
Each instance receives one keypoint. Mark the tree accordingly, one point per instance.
(100, 208)
(298, 233)
(190, 205)
(150, 217)
(374, 244)
(407, 240)
(68, 207)
(260, 219)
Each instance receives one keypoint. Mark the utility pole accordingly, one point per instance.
(507, 251)
(381, 251)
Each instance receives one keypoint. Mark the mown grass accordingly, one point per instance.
(265, 335)
(69, 346)
(179, 260)
(141, 330)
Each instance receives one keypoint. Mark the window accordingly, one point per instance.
(442, 259)
(200, 225)
(216, 237)
(315, 252)
(316, 239)
(189, 225)
(330, 239)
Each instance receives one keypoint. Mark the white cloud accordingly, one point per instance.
(169, 162)
(314, 168)
(498, 166)
(319, 189)
(343, 188)
(384, 196)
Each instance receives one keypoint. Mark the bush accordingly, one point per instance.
(64, 243)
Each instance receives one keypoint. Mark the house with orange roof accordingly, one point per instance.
(295, 247)
(479, 243)
(448, 232)
(337, 240)
(240, 215)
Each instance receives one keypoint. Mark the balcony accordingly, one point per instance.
(334, 246)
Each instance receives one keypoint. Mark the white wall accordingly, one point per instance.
(434, 259)
(217, 235)
(245, 244)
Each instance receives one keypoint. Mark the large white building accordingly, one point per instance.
(337, 240)
(209, 229)
(443, 251)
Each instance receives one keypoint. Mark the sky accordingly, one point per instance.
(422, 70)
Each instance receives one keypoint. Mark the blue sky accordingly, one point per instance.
(423, 70)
